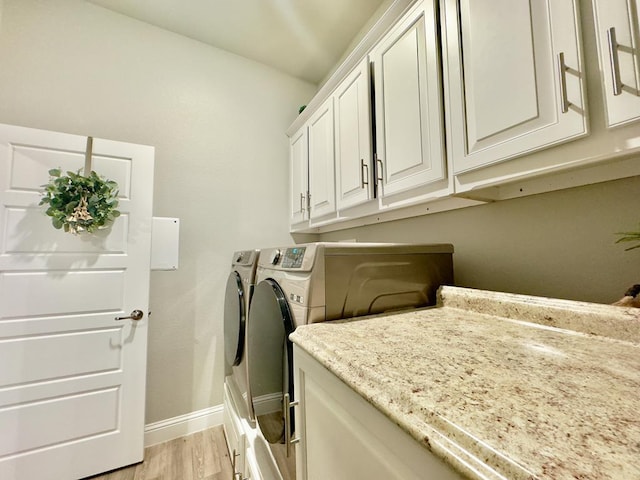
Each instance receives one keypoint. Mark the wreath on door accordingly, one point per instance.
(78, 203)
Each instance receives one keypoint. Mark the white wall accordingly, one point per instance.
(217, 122)
(559, 244)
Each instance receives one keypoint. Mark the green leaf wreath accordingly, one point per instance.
(80, 204)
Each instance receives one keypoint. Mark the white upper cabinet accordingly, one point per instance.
(408, 103)
(354, 170)
(616, 23)
(514, 78)
(299, 162)
(322, 197)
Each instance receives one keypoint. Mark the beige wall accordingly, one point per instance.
(217, 122)
(558, 244)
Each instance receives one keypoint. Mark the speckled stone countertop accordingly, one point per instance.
(500, 385)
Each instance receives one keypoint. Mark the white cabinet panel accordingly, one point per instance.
(500, 87)
(322, 198)
(234, 434)
(353, 139)
(343, 437)
(617, 34)
(409, 134)
(299, 158)
(514, 86)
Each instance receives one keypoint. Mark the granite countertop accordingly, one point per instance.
(500, 385)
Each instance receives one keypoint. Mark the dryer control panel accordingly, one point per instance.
(293, 257)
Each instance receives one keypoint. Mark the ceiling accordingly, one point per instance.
(304, 38)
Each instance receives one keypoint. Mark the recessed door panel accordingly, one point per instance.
(60, 292)
(500, 74)
(36, 358)
(56, 421)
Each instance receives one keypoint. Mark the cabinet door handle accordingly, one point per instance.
(614, 61)
(234, 455)
(364, 179)
(562, 74)
(379, 174)
(288, 405)
(302, 207)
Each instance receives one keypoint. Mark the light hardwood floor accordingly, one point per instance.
(200, 456)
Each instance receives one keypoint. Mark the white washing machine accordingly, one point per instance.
(317, 282)
(239, 289)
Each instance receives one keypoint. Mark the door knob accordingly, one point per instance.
(135, 315)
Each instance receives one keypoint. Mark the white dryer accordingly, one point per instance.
(239, 290)
(317, 282)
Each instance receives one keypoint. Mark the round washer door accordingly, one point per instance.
(270, 358)
(234, 320)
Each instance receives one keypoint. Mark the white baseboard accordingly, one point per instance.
(182, 425)
(272, 402)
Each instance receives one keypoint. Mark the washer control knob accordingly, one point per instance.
(239, 257)
(275, 256)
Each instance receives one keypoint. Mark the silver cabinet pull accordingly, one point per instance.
(364, 179)
(379, 173)
(135, 315)
(288, 405)
(234, 455)
(614, 61)
(562, 74)
(302, 208)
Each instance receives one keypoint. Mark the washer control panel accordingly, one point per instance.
(293, 257)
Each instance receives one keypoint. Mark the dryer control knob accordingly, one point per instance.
(239, 258)
(275, 256)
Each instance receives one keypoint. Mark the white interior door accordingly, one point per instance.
(72, 378)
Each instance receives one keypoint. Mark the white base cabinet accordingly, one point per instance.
(343, 437)
(249, 452)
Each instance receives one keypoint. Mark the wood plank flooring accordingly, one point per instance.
(200, 456)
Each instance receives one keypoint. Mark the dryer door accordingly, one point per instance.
(234, 321)
(270, 358)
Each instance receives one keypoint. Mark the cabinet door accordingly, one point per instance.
(233, 432)
(617, 31)
(515, 78)
(298, 156)
(353, 138)
(343, 437)
(409, 134)
(322, 198)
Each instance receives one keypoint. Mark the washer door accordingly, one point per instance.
(270, 358)
(234, 321)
